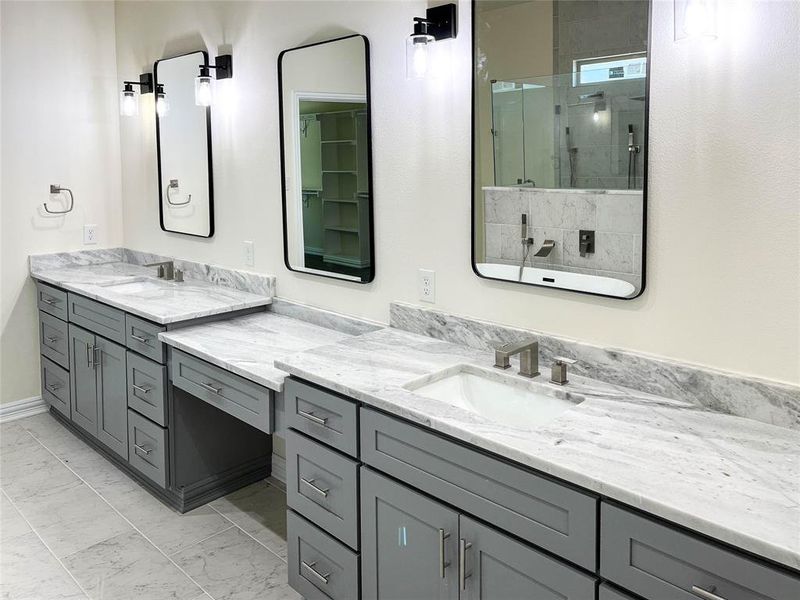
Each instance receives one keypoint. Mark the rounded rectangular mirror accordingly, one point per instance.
(326, 159)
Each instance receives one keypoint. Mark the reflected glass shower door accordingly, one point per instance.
(508, 133)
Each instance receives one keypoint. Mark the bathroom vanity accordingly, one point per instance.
(393, 494)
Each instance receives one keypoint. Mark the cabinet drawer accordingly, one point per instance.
(55, 386)
(142, 336)
(245, 400)
(656, 561)
(148, 448)
(322, 415)
(550, 515)
(319, 566)
(322, 485)
(51, 300)
(54, 339)
(97, 317)
(606, 592)
(147, 385)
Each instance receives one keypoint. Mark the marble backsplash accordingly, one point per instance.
(245, 281)
(323, 318)
(761, 400)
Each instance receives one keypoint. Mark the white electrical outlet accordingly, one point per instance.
(249, 254)
(90, 234)
(427, 285)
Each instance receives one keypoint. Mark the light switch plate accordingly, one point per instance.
(249, 254)
(427, 285)
(90, 234)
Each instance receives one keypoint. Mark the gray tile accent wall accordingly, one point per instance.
(559, 215)
(758, 399)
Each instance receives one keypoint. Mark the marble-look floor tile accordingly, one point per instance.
(70, 519)
(260, 510)
(128, 567)
(168, 529)
(12, 523)
(233, 566)
(14, 437)
(29, 572)
(29, 472)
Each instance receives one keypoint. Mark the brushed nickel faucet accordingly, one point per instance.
(166, 269)
(528, 351)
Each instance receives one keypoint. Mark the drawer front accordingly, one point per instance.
(322, 485)
(147, 387)
(51, 300)
(245, 400)
(606, 592)
(147, 450)
(322, 415)
(54, 339)
(142, 336)
(656, 561)
(55, 387)
(320, 568)
(97, 317)
(543, 512)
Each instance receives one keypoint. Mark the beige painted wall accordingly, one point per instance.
(723, 274)
(60, 124)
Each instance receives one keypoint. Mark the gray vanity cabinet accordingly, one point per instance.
(99, 390)
(497, 567)
(409, 543)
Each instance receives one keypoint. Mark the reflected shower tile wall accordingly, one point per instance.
(559, 215)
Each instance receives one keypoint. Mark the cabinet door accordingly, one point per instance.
(83, 379)
(497, 567)
(408, 543)
(112, 396)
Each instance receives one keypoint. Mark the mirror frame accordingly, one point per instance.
(371, 216)
(208, 145)
(645, 165)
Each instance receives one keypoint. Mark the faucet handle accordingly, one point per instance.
(558, 372)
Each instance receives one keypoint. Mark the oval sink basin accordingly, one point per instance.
(496, 396)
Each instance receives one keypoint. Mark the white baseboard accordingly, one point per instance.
(279, 468)
(11, 411)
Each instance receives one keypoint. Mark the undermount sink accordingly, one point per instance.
(138, 287)
(496, 395)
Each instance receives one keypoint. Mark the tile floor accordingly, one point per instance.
(72, 525)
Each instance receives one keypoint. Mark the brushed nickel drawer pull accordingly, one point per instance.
(139, 388)
(97, 357)
(442, 564)
(141, 339)
(52, 339)
(50, 301)
(706, 594)
(463, 546)
(317, 574)
(310, 483)
(314, 418)
(211, 388)
(146, 451)
(53, 387)
(89, 356)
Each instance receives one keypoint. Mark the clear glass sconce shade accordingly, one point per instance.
(162, 104)
(128, 103)
(418, 55)
(695, 19)
(203, 94)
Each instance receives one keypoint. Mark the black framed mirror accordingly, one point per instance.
(560, 98)
(183, 138)
(326, 159)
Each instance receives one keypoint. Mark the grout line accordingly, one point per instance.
(139, 531)
(283, 560)
(201, 540)
(36, 533)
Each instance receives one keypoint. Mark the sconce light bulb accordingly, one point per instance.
(417, 55)
(162, 106)
(202, 90)
(420, 59)
(596, 116)
(128, 106)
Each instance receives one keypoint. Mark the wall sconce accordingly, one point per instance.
(162, 105)
(128, 103)
(203, 92)
(695, 19)
(439, 24)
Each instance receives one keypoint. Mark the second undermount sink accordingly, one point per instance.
(496, 395)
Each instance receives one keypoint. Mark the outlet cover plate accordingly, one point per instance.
(90, 234)
(427, 285)
(249, 254)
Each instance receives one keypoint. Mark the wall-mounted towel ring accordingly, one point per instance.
(173, 185)
(57, 189)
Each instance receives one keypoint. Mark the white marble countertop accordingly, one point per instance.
(153, 299)
(249, 346)
(733, 479)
